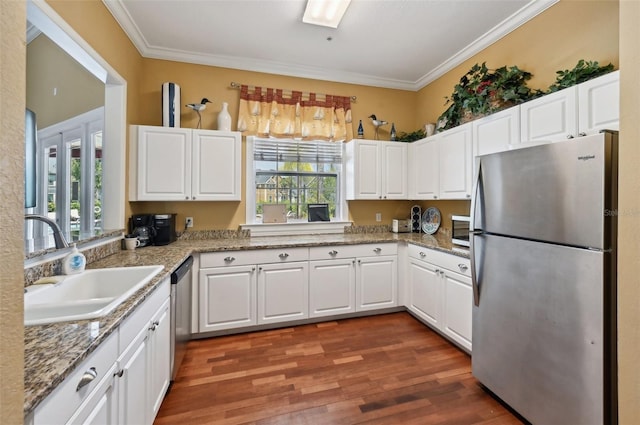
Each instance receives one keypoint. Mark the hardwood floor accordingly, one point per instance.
(387, 369)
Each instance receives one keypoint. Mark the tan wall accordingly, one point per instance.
(629, 219)
(12, 104)
(555, 40)
(48, 68)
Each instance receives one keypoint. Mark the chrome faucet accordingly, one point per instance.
(58, 237)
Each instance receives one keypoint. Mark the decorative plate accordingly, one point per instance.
(431, 220)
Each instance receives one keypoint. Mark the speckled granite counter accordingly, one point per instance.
(53, 351)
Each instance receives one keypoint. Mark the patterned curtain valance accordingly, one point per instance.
(267, 112)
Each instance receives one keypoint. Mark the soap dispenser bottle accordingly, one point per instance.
(74, 262)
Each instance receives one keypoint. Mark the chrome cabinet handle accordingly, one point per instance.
(422, 254)
(154, 325)
(229, 259)
(88, 376)
(353, 262)
(253, 269)
(186, 197)
(570, 136)
(359, 261)
(463, 267)
(283, 255)
(582, 134)
(333, 253)
(119, 373)
(436, 271)
(377, 250)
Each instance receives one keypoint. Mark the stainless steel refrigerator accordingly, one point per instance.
(543, 252)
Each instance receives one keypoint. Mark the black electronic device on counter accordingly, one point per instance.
(141, 226)
(164, 229)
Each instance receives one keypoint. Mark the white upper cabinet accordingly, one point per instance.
(440, 166)
(599, 104)
(576, 111)
(376, 170)
(550, 118)
(497, 132)
(178, 164)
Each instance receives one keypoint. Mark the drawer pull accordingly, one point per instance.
(229, 259)
(154, 325)
(463, 267)
(119, 373)
(88, 376)
(422, 254)
(377, 250)
(333, 253)
(284, 255)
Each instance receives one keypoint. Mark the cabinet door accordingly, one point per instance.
(425, 292)
(227, 298)
(332, 287)
(599, 104)
(458, 299)
(215, 166)
(283, 292)
(163, 161)
(497, 132)
(101, 408)
(424, 174)
(394, 170)
(364, 176)
(376, 282)
(133, 386)
(550, 118)
(454, 150)
(159, 361)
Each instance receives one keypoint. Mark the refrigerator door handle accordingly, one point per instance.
(473, 249)
(475, 194)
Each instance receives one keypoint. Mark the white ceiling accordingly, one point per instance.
(401, 44)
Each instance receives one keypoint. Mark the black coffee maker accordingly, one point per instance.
(142, 226)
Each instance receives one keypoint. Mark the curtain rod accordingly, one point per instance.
(235, 85)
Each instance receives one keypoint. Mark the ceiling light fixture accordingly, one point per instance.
(327, 13)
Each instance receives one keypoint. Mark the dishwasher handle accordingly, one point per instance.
(182, 270)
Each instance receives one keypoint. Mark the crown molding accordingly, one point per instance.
(519, 18)
(526, 13)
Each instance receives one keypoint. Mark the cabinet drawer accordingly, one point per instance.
(248, 257)
(352, 251)
(448, 261)
(142, 315)
(58, 407)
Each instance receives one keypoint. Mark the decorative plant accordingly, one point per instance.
(411, 137)
(482, 91)
(583, 71)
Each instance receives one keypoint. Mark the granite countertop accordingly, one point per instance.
(53, 351)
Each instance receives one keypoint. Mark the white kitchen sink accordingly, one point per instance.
(88, 295)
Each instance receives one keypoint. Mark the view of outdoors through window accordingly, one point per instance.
(286, 174)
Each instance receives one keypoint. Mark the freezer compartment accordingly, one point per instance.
(538, 331)
(561, 192)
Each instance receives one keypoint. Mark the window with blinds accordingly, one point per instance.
(296, 174)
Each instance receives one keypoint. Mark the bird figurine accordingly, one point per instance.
(377, 124)
(199, 107)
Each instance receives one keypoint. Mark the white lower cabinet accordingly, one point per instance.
(350, 278)
(124, 380)
(440, 293)
(283, 292)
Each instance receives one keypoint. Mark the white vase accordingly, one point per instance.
(224, 119)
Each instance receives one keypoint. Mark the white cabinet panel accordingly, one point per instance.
(376, 170)
(159, 352)
(133, 386)
(424, 170)
(599, 104)
(425, 292)
(458, 299)
(497, 132)
(283, 292)
(455, 163)
(227, 298)
(550, 118)
(376, 282)
(178, 164)
(332, 288)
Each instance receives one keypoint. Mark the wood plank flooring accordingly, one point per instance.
(387, 369)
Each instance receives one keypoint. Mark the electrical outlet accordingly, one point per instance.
(188, 222)
(378, 217)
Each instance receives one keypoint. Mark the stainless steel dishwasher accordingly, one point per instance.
(180, 313)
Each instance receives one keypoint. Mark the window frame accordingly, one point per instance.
(257, 228)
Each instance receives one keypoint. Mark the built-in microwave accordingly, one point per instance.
(460, 230)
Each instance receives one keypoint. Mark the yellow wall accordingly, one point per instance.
(629, 219)
(555, 40)
(12, 104)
